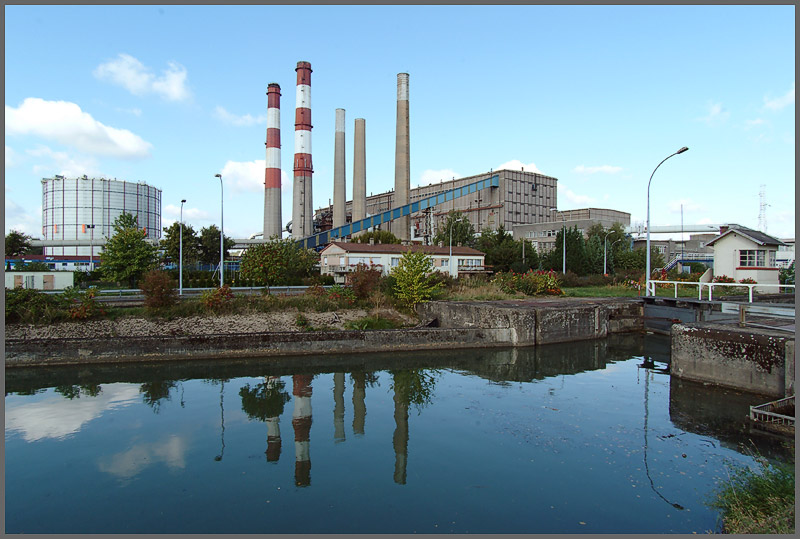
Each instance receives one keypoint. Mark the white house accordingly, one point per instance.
(40, 280)
(340, 258)
(742, 253)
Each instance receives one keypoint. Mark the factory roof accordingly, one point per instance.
(390, 248)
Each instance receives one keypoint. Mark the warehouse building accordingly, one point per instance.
(521, 198)
(543, 234)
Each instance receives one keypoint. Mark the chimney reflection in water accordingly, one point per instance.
(338, 407)
(359, 406)
(301, 421)
(273, 427)
(400, 438)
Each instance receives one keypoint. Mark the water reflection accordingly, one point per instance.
(129, 463)
(265, 402)
(301, 422)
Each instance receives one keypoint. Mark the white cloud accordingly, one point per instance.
(238, 121)
(18, 218)
(173, 210)
(436, 176)
(605, 169)
(66, 123)
(574, 198)
(716, 114)
(61, 163)
(248, 176)
(131, 74)
(778, 103)
(516, 164)
(129, 463)
(134, 111)
(58, 417)
(753, 123)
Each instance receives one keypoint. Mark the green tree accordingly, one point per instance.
(636, 260)
(209, 245)
(155, 391)
(380, 236)
(17, 244)
(171, 244)
(594, 255)
(462, 229)
(503, 253)
(576, 252)
(613, 239)
(127, 254)
(264, 400)
(277, 262)
(413, 282)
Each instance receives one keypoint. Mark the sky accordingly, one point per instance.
(595, 96)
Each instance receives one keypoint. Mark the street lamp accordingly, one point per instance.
(564, 250)
(647, 276)
(613, 243)
(450, 261)
(180, 255)
(221, 234)
(605, 248)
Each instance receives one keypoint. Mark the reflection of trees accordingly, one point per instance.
(414, 386)
(156, 391)
(75, 391)
(264, 400)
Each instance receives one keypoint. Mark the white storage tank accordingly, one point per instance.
(86, 208)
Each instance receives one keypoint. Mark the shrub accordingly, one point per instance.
(363, 280)
(218, 299)
(81, 305)
(531, 283)
(31, 306)
(786, 275)
(723, 279)
(371, 322)
(413, 284)
(159, 289)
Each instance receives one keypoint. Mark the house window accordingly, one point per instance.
(772, 263)
(752, 258)
(395, 261)
(445, 263)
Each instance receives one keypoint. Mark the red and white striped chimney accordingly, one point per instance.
(301, 422)
(272, 173)
(302, 209)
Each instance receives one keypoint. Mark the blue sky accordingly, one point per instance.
(594, 96)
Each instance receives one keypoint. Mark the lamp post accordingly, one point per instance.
(450, 261)
(605, 248)
(647, 275)
(91, 247)
(221, 234)
(613, 243)
(564, 250)
(180, 255)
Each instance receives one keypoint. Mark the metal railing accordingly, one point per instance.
(652, 290)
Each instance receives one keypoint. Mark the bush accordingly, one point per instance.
(81, 305)
(531, 283)
(371, 322)
(217, 300)
(29, 306)
(786, 275)
(159, 289)
(363, 281)
(413, 284)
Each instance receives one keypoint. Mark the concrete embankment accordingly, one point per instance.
(456, 325)
(752, 359)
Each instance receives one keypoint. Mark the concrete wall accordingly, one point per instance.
(43, 352)
(734, 357)
(535, 322)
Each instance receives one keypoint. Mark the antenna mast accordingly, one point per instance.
(762, 209)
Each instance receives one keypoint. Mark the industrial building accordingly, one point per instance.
(84, 209)
(521, 198)
(543, 234)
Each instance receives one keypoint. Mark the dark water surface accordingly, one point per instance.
(590, 437)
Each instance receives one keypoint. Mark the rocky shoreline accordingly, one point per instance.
(195, 325)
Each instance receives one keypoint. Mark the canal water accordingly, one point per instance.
(587, 437)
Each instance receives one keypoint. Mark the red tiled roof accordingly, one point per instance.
(389, 248)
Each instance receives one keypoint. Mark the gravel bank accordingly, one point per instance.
(196, 325)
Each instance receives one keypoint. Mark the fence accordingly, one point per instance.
(652, 290)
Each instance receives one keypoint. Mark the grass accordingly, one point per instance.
(759, 501)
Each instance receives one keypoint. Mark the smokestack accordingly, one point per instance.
(301, 421)
(302, 209)
(402, 179)
(272, 174)
(273, 427)
(339, 182)
(359, 172)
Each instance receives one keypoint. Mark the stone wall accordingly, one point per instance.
(759, 362)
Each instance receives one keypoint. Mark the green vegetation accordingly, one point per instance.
(277, 262)
(171, 244)
(17, 244)
(504, 254)
(209, 245)
(127, 255)
(413, 282)
(371, 322)
(758, 501)
(462, 231)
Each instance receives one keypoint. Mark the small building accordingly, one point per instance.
(678, 254)
(785, 256)
(742, 253)
(40, 280)
(340, 258)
